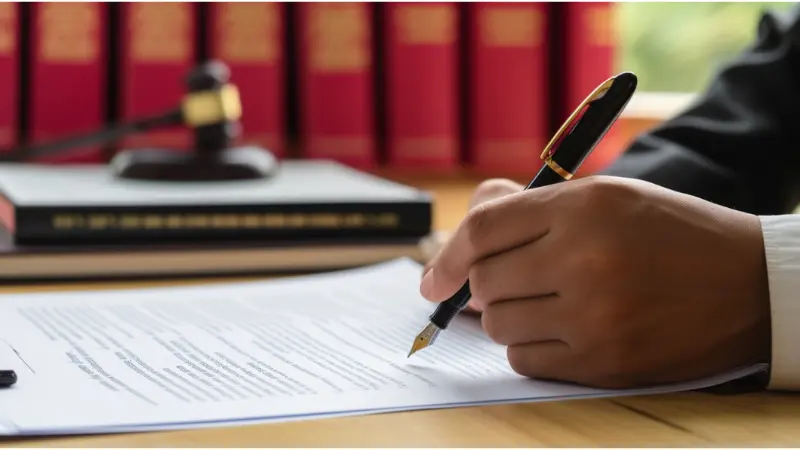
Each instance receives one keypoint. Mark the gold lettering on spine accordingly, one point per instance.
(425, 24)
(128, 221)
(8, 27)
(69, 32)
(249, 32)
(601, 26)
(338, 37)
(510, 26)
(160, 31)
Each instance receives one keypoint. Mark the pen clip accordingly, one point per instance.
(588, 123)
(574, 119)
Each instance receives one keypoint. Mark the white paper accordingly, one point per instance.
(298, 348)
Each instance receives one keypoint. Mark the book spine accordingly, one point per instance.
(589, 58)
(248, 37)
(157, 51)
(68, 75)
(508, 87)
(421, 56)
(336, 83)
(9, 73)
(299, 222)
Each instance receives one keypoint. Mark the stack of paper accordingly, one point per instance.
(310, 347)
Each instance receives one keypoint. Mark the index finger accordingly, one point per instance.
(489, 228)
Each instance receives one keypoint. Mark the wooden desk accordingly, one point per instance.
(690, 419)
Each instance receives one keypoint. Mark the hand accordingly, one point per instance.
(612, 283)
(486, 191)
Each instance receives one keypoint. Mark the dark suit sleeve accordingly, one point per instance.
(739, 144)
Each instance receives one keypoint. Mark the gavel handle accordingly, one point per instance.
(108, 134)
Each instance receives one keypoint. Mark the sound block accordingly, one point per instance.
(237, 163)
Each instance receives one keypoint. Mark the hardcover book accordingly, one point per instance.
(335, 82)
(68, 75)
(304, 200)
(508, 86)
(422, 85)
(157, 49)
(248, 37)
(9, 73)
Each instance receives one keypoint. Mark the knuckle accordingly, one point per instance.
(521, 363)
(477, 224)
(427, 268)
(604, 192)
(488, 325)
(493, 188)
(480, 282)
(494, 326)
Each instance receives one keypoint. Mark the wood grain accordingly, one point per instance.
(686, 419)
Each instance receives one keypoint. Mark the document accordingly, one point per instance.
(223, 354)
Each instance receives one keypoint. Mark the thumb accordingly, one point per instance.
(447, 270)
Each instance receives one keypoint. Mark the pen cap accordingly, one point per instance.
(589, 123)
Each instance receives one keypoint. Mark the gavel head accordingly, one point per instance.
(212, 107)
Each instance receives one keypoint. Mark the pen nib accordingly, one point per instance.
(424, 339)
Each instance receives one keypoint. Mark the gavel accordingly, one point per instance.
(211, 109)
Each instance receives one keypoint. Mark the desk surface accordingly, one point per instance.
(687, 419)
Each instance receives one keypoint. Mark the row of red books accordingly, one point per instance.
(415, 86)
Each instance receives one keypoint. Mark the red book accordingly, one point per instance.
(589, 56)
(422, 85)
(67, 75)
(9, 73)
(248, 37)
(157, 52)
(508, 87)
(335, 82)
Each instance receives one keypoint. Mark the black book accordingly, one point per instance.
(47, 204)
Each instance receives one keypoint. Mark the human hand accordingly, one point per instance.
(613, 283)
(488, 190)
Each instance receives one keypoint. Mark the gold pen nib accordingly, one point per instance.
(425, 338)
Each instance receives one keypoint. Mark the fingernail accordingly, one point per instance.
(427, 284)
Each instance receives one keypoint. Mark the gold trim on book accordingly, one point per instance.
(101, 221)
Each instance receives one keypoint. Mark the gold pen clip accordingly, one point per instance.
(570, 124)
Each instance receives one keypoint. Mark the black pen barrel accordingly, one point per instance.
(545, 177)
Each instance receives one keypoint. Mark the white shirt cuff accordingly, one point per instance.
(782, 249)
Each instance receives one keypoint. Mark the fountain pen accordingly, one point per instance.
(562, 157)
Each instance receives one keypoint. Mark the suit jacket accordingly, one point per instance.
(739, 144)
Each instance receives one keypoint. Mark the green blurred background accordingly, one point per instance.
(677, 46)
